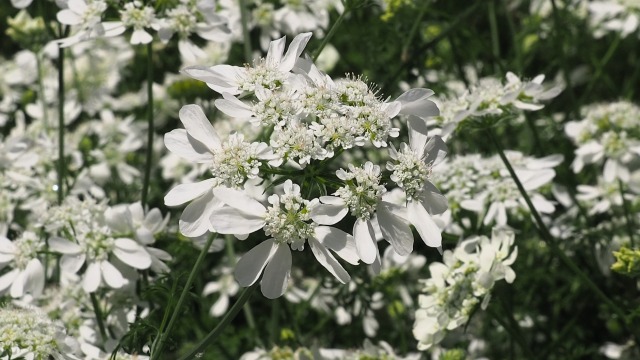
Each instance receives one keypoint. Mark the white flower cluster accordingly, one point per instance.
(607, 133)
(368, 351)
(30, 334)
(494, 99)
(308, 119)
(484, 186)
(462, 282)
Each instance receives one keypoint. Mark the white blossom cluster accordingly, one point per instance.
(30, 334)
(607, 133)
(309, 119)
(483, 185)
(461, 283)
(382, 350)
(492, 98)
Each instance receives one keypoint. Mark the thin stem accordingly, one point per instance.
(332, 31)
(493, 25)
(244, 20)
(43, 102)
(98, 311)
(627, 213)
(150, 127)
(600, 67)
(412, 33)
(61, 162)
(558, 25)
(159, 344)
(546, 235)
(513, 329)
(229, 316)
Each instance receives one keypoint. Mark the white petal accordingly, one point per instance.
(276, 274)
(327, 260)
(418, 132)
(177, 141)
(328, 214)
(424, 224)
(414, 102)
(395, 229)
(220, 306)
(215, 77)
(365, 240)
(92, 277)
(68, 17)
(137, 259)
(433, 200)
(339, 242)
(111, 275)
(63, 246)
(251, 264)
(140, 36)
(211, 288)
(240, 201)
(295, 49)
(229, 220)
(184, 193)
(198, 126)
(233, 107)
(275, 51)
(194, 220)
(71, 263)
(34, 278)
(435, 151)
(126, 244)
(17, 287)
(7, 279)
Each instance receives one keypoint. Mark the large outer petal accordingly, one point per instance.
(229, 220)
(251, 264)
(198, 126)
(339, 242)
(365, 240)
(217, 77)
(63, 246)
(179, 143)
(276, 274)
(395, 229)
(424, 224)
(330, 211)
(329, 262)
(112, 275)
(240, 201)
(295, 49)
(34, 278)
(92, 277)
(184, 193)
(414, 102)
(8, 278)
(194, 220)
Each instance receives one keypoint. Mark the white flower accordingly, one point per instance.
(287, 222)
(92, 243)
(270, 73)
(27, 274)
(87, 15)
(411, 169)
(461, 283)
(30, 334)
(231, 163)
(130, 220)
(226, 286)
(138, 17)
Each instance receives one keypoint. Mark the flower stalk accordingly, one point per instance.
(332, 32)
(226, 320)
(546, 234)
(159, 342)
(61, 162)
(150, 129)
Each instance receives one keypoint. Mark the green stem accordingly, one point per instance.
(244, 20)
(158, 344)
(45, 113)
(150, 129)
(627, 213)
(98, 311)
(600, 67)
(546, 235)
(229, 316)
(332, 32)
(493, 25)
(61, 162)
(558, 25)
(513, 329)
(412, 33)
